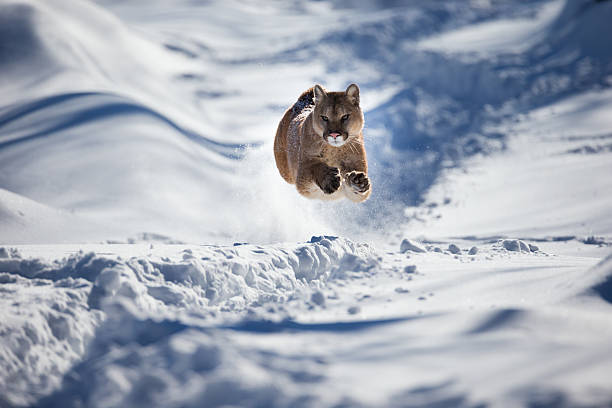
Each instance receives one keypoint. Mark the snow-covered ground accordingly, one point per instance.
(151, 255)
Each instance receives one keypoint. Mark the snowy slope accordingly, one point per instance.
(553, 179)
(150, 255)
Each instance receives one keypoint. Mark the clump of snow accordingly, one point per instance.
(412, 246)
(318, 298)
(454, 249)
(7, 253)
(410, 268)
(354, 310)
(516, 245)
(592, 240)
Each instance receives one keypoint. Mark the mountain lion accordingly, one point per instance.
(319, 145)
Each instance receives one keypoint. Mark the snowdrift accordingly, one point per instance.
(244, 325)
(64, 300)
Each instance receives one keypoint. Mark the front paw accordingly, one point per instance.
(330, 180)
(358, 181)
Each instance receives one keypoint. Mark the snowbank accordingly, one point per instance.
(66, 300)
(253, 326)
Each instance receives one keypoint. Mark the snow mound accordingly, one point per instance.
(64, 301)
(146, 354)
(140, 362)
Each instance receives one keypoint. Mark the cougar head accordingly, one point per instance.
(337, 115)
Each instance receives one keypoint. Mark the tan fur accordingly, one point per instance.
(304, 153)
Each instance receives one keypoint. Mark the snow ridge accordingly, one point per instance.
(201, 283)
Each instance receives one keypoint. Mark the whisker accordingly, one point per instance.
(353, 147)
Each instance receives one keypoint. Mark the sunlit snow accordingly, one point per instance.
(152, 256)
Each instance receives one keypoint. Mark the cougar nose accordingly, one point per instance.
(334, 134)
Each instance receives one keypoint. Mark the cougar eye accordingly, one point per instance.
(325, 118)
(345, 117)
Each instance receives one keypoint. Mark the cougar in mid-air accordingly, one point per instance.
(319, 145)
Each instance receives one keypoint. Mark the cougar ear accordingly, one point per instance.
(353, 93)
(319, 93)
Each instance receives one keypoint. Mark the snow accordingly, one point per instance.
(151, 255)
(185, 324)
(494, 37)
(541, 185)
